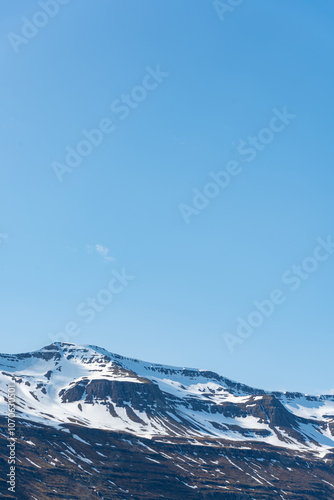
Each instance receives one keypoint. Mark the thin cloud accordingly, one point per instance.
(100, 250)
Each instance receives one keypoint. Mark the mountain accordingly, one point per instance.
(92, 424)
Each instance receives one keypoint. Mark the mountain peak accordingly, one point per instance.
(66, 382)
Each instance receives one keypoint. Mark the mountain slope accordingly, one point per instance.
(208, 435)
(64, 383)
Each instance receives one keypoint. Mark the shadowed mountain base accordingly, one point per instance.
(78, 463)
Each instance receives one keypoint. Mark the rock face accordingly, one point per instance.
(92, 424)
(139, 396)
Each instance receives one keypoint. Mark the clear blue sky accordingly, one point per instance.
(61, 241)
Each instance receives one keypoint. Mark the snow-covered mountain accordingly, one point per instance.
(87, 385)
(92, 424)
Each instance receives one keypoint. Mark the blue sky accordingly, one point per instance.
(223, 82)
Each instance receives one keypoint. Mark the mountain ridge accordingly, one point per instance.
(102, 350)
(97, 388)
(94, 424)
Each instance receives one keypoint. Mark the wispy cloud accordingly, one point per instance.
(100, 250)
